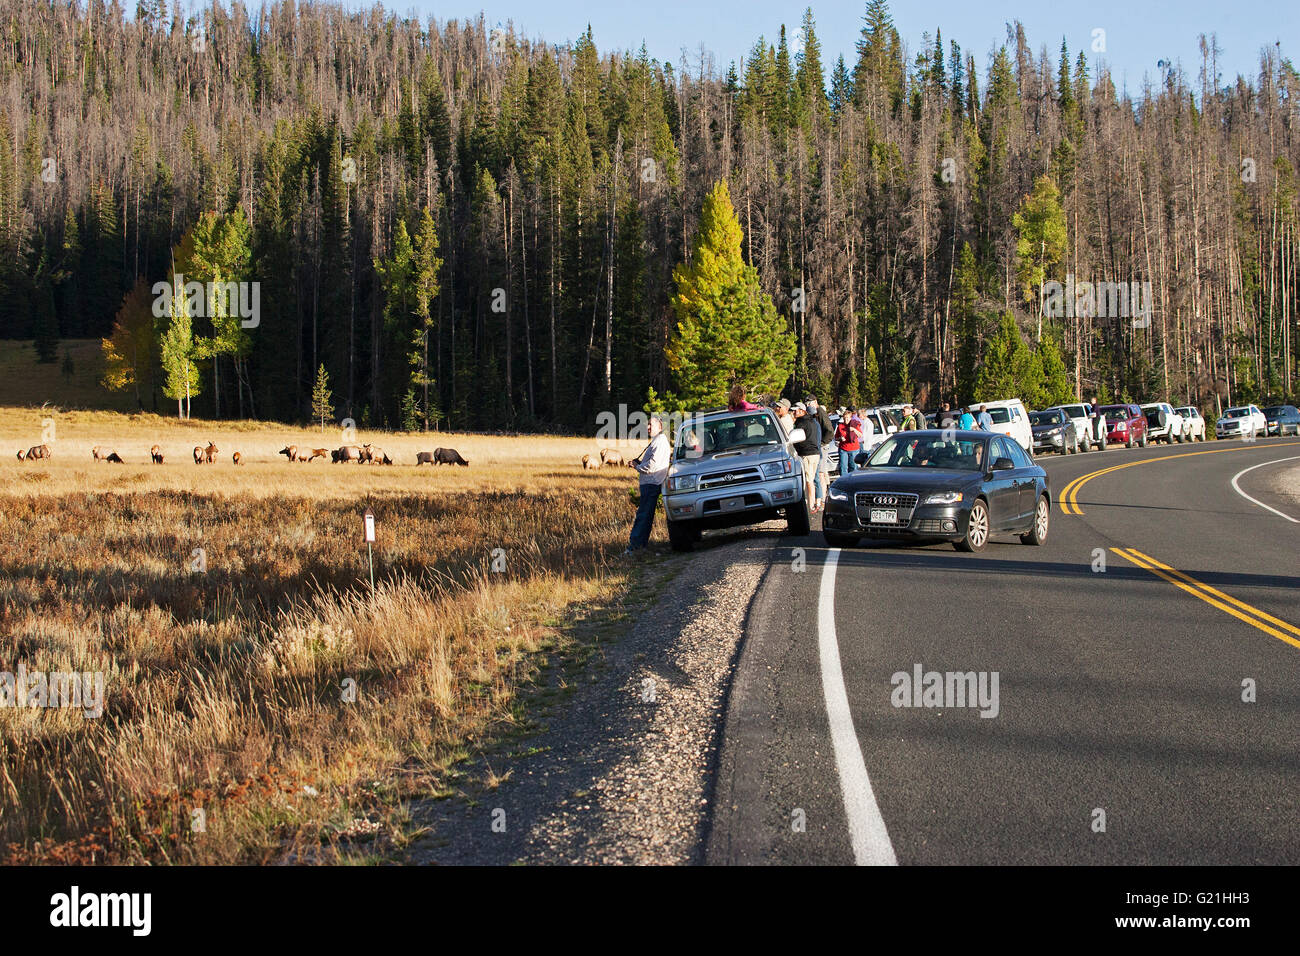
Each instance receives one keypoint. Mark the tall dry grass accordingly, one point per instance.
(227, 688)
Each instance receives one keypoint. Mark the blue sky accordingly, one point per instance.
(1138, 34)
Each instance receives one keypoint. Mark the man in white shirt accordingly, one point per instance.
(652, 467)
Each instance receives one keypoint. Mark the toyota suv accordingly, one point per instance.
(733, 468)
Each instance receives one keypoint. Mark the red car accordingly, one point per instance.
(1125, 425)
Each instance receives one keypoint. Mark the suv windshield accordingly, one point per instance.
(1116, 413)
(1000, 416)
(1236, 413)
(1046, 418)
(726, 434)
(1273, 411)
(900, 451)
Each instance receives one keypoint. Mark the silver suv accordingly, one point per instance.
(733, 468)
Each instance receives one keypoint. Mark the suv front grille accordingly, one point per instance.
(903, 503)
(728, 479)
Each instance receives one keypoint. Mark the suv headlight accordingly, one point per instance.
(838, 495)
(943, 498)
(775, 469)
(683, 482)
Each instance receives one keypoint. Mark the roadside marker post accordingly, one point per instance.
(368, 524)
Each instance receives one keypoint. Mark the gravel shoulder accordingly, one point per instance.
(619, 766)
(1286, 482)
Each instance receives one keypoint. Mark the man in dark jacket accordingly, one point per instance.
(823, 417)
(809, 451)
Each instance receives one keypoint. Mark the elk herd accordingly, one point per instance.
(207, 455)
(608, 456)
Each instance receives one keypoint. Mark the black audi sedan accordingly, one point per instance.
(958, 486)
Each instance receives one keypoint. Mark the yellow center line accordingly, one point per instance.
(1069, 497)
(1203, 591)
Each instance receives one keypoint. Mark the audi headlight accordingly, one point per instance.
(943, 498)
(839, 495)
(683, 482)
(775, 469)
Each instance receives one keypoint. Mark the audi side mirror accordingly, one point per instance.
(1003, 464)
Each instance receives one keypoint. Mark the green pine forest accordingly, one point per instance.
(468, 228)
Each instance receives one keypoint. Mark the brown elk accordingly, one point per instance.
(114, 457)
(156, 454)
(210, 453)
(347, 453)
(318, 453)
(608, 456)
(38, 451)
(589, 463)
(237, 458)
(198, 454)
(293, 454)
(22, 455)
(100, 453)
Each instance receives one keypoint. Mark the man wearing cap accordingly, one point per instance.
(809, 451)
(783, 415)
(652, 466)
(828, 439)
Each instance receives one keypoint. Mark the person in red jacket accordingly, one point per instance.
(848, 435)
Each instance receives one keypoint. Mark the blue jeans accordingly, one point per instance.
(817, 477)
(645, 517)
(847, 462)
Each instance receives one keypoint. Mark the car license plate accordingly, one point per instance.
(732, 504)
(884, 516)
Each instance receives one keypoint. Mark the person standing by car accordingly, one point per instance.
(783, 415)
(984, 421)
(947, 417)
(967, 421)
(652, 468)
(818, 411)
(848, 436)
(809, 451)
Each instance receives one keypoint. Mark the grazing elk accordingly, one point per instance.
(198, 454)
(448, 456)
(608, 456)
(114, 457)
(347, 453)
(156, 454)
(421, 458)
(237, 458)
(589, 463)
(38, 452)
(293, 454)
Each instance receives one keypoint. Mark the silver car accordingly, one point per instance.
(730, 469)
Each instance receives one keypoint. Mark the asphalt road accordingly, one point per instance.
(1119, 690)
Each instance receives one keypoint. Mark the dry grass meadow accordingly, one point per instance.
(227, 688)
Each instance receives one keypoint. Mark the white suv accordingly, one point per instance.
(1163, 423)
(1088, 431)
(1242, 421)
(1194, 424)
(1011, 419)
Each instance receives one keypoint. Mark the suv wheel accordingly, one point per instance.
(682, 535)
(977, 528)
(798, 520)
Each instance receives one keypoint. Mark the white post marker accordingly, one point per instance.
(368, 525)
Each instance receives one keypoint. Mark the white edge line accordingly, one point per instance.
(871, 846)
(1236, 487)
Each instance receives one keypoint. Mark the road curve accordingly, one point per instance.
(1148, 683)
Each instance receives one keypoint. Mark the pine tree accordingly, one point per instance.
(727, 330)
(871, 382)
(1056, 388)
(321, 399)
(1042, 236)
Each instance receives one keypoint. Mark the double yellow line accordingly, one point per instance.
(1224, 602)
(1069, 500)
